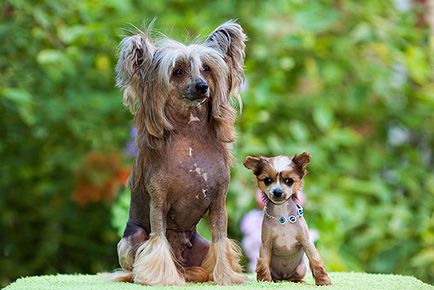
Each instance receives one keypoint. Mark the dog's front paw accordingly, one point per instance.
(323, 280)
(263, 277)
(263, 271)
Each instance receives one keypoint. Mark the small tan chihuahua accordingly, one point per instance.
(285, 235)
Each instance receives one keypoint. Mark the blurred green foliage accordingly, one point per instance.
(349, 81)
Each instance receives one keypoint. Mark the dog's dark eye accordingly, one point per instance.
(268, 181)
(206, 68)
(178, 72)
(289, 181)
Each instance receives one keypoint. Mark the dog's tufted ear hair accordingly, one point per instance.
(229, 39)
(254, 163)
(135, 58)
(301, 161)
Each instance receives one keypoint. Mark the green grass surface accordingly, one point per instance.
(340, 281)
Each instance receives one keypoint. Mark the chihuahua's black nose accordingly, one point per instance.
(202, 87)
(277, 192)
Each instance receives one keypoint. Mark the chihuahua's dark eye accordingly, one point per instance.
(206, 68)
(289, 181)
(178, 72)
(268, 181)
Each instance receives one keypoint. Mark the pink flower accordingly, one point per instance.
(251, 242)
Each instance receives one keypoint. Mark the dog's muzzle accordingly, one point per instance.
(198, 94)
(201, 88)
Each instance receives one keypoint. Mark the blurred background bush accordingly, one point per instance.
(349, 81)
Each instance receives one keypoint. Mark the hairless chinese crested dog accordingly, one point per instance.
(181, 99)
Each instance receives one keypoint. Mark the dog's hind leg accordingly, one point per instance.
(222, 260)
(195, 254)
(134, 236)
(300, 272)
(193, 257)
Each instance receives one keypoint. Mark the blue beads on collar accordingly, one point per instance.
(299, 209)
(291, 218)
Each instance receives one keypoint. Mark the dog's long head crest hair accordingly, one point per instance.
(144, 75)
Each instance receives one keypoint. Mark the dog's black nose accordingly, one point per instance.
(277, 192)
(202, 87)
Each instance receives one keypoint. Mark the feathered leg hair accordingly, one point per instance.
(154, 263)
(222, 263)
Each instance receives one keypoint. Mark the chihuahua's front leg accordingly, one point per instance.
(222, 260)
(154, 263)
(316, 264)
(263, 272)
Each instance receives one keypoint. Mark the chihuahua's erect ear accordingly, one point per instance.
(135, 57)
(301, 161)
(253, 163)
(229, 40)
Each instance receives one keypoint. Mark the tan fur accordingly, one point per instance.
(229, 39)
(117, 276)
(222, 263)
(154, 263)
(195, 274)
(134, 58)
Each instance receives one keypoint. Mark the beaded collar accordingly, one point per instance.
(282, 219)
